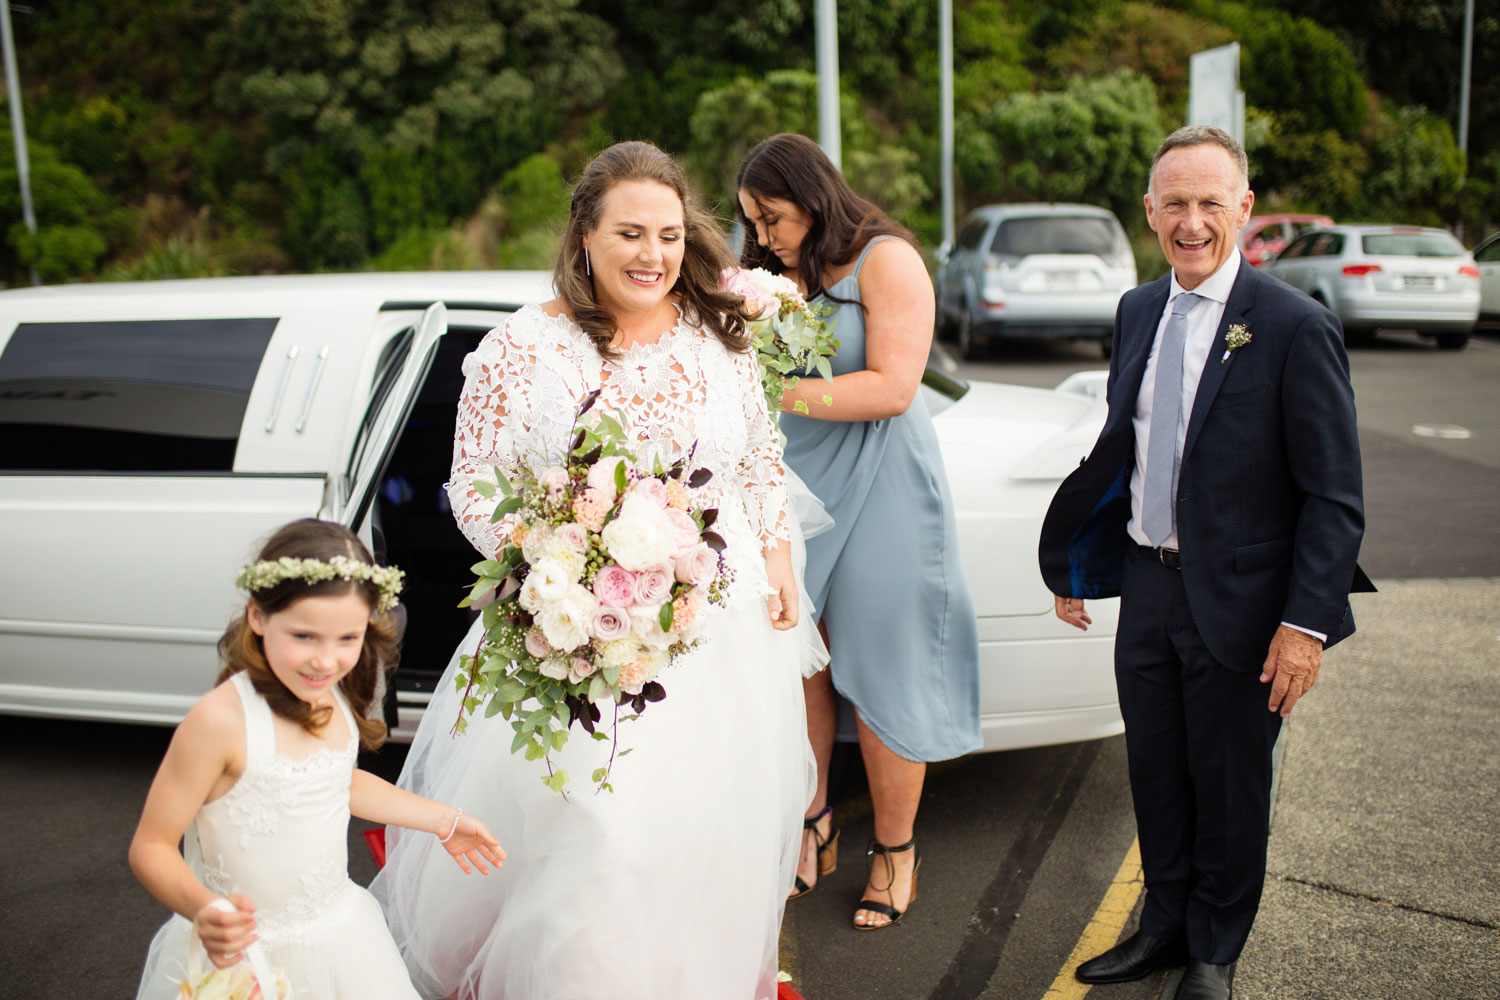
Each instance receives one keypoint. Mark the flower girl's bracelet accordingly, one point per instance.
(452, 829)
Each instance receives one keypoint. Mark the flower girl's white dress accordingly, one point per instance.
(280, 836)
(672, 886)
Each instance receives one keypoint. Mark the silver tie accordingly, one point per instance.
(1157, 506)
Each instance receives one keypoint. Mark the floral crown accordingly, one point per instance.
(269, 572)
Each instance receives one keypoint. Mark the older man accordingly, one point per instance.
(1223, 503)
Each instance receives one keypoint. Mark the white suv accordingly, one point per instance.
(1053, 270)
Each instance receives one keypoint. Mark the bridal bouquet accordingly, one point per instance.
(597, 588)
(791, 336)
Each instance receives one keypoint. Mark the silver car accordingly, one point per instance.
(1053, 270)
(1387, 277)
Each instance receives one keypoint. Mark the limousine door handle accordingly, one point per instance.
(281, 384)
(312, 388)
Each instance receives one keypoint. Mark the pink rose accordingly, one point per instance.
(536, 642)
(590, 508)
(575, 535)
(652, 489)
(654, 585)
(615, 585)
(697, 566)
(609, 624)
(580, 669)
(685, 527)
(554, 481)
(602, 477)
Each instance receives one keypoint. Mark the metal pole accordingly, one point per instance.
(945, 113)
(826, 35)
(1463, 81)
(17, 123)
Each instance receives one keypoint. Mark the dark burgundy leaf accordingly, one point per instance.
(653, 691)
(710, 516)
(593, 455)
(588, 402)
(713, 540)
(700, 477)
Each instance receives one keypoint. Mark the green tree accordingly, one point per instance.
(70, 214)
(1416, 169)
(1090, 142)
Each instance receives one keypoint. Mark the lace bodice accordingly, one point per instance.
(524, 383)
(280, 834)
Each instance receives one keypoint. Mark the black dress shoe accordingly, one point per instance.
(1134, 958)
(1203, 981)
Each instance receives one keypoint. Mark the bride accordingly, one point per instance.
(672, 886)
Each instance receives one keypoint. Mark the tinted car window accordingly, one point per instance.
(1056, 234)
(972, 234)
(1488, 253)
(155, 396)
(1325, 245)
(1296, 248)
(1412, 245)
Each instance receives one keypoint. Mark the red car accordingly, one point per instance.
(1264, 236)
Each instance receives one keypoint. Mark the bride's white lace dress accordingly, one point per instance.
(673, 885)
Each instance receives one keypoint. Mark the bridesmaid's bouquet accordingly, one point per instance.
(599, 586)
(792, 338)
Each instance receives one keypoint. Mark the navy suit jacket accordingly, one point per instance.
(1270, 509)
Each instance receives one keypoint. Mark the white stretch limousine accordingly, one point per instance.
(152, 433)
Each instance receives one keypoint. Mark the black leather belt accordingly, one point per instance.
(1170, 558)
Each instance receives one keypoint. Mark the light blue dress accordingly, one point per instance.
(886, 578)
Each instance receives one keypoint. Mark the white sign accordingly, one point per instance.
(1214, 95)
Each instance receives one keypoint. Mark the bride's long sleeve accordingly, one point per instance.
(484, 441)
(760, 474)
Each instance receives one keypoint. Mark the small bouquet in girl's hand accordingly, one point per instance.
(597, 589)
(791, 337)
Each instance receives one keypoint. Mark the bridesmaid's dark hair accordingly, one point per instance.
(793, 168)
(705, 253)
(241, 649)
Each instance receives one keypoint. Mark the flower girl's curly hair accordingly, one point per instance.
(705, 254)
(241, 649)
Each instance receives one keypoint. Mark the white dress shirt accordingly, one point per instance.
(1203, 326)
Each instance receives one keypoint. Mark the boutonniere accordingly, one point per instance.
(1237, 337)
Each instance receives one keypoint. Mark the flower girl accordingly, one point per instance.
(261, 777)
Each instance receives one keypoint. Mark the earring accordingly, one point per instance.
(586, 268)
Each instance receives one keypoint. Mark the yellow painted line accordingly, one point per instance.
(1104, 927)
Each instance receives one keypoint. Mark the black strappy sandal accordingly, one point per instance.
(828, 850)
(887, 909)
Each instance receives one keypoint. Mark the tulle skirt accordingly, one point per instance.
(342, 953)
(671, 887)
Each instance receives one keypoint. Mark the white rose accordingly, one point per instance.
(552, 579)
(565, 622)
(534, 545)
(645, 625)
(618, 653)
(602, 476)
(772, 285)
(555, 667)
(561, 551)
(529, 599)
(642, 536)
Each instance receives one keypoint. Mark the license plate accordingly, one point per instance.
(1419, 281)
(1062, 280)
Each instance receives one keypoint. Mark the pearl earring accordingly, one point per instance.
(586, 268)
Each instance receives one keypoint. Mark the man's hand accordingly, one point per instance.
(1291, 667)
(1070, 610)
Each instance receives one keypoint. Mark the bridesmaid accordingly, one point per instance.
(885, 581)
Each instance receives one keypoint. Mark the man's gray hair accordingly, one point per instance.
(1200, 135)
